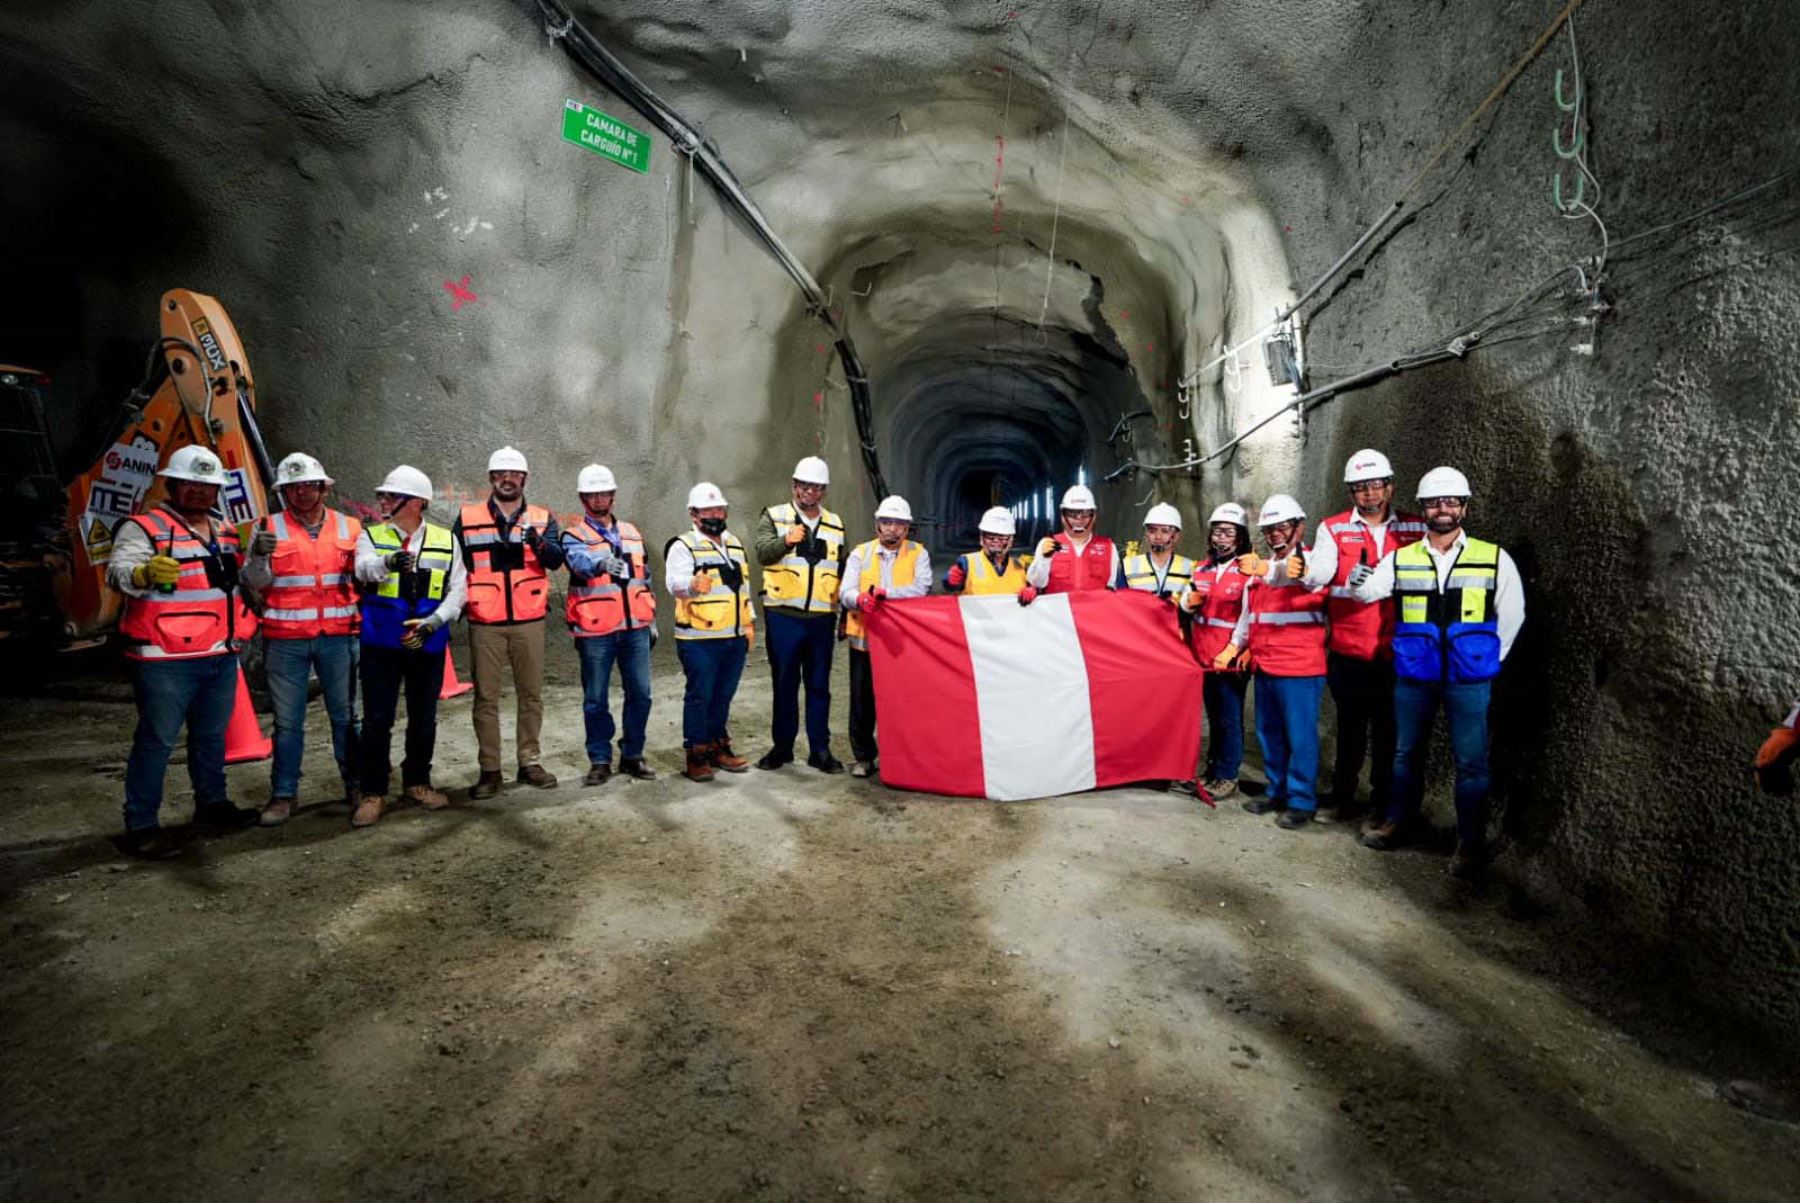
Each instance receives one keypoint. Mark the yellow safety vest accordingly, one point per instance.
(793, 584)
(906, 566)
(1140, 574)
(983, 579)
(725, 612)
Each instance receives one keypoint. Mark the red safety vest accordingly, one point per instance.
(1287, 630)
(519, 594)
(1222, 600)
(1072, 571)
(597, 605)
(198, 618)
(314, 592)
(1357, 630)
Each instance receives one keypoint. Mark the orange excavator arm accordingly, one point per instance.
(197, 388)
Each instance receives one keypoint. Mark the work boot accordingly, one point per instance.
(224, 816)
(774, 758)
(427, 797)
(720, 756)
(699, 763)
(825, 762)
(368, 812)
(1383, 837)
(536, 775)
(276, 812)
(1294, 820)
(634, 766)
(352, 795)
(486, 786)
(1468, 863)
(1219, 787)
(149, 843)
(598, 773)
(1263, 806)
(861, 769)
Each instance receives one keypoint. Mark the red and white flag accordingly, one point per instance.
(983, 697)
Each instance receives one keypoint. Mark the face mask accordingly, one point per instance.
(711, 526)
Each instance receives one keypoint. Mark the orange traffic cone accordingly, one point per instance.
(453, 687)
(244, 739)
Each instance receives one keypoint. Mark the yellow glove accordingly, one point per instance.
(1251, 564)
(157, 570)
(702, 584)
(416, 630)
(1046, 546)
(1223, 660)
(1296, 567)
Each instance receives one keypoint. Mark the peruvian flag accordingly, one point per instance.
(982, 697)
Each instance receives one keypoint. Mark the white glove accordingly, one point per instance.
(618, 567)
(1359, 574)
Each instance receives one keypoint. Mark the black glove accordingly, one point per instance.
(534, 538)
(401, 561)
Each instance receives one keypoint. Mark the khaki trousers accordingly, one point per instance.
(517, 649)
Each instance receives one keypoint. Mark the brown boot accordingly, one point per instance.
(427, 797)
(486, 786)
(724, 758)
(368, 812)
(276, 812)
(699, 763)
(536, 775)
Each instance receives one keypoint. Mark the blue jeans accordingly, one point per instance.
(200, 692)
(631, 649)
(713, 667)
(1466, 710)
(288, 663)
(801, 647)
(1223, 694)
(1287, 726)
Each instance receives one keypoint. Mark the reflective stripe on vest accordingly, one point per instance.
(1140, 574)
(1221, 602)
(597, 605)
(504, 594)
(415, 594)
(723, 613)
(983, 578)
(198, 617)
(1449, 634)
(1364, 632)
(318, 599)
(1287, 630)
(791, 582)
(1089, 568)
(906, 567)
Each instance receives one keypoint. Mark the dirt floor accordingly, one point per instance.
(788, 986)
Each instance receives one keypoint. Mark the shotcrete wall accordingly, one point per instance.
(1113, 192)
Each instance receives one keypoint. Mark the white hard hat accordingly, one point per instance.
(1443, 482)
(1367, 464)
(596, 478)
(508, 459)
(406, 481)
(1163, 514)
(1079, 497)
(1280, 508)
(812, 471)
(1231, 512)
(704, 496)
(300, 468)
(195, 463)
(896, 508)
(997, 521)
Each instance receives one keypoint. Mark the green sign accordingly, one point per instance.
(606, 136)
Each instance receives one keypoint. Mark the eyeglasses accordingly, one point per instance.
(1371, 486)
(806, 486)
(1444, 503)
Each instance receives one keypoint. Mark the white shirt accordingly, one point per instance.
(919, 586)
(372, 569)
(1038, 575)
(678, 570)
(1509, 590)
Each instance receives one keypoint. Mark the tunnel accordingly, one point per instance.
(970, 254)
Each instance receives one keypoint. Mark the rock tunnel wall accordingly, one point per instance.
(1036, 219)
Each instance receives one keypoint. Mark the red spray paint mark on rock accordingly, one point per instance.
(460, 294)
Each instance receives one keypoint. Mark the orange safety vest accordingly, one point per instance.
(1287, 630)
(597, 605)
(1221, 602)
(314, 592)
(506, 582)
(205, 614)
(1360, 631)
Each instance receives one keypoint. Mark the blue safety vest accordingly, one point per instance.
(404, 595)
(1447, 634)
